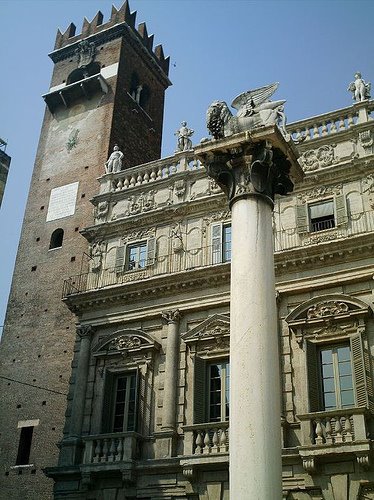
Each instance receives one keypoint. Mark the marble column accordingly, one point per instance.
(251, 170)
(171, 370)
(81, 375)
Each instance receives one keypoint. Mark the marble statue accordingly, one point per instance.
(184, 134)
(359, 88)
(254, 110)
(114, 162)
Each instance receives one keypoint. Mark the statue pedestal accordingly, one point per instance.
(251, 168)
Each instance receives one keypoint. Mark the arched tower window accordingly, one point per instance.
(56, 238)
(134, 86)
(80, 73)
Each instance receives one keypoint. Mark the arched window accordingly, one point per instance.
(81, 73)
(134, 86)
(56, 238)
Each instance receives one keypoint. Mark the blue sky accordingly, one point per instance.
(218, 49)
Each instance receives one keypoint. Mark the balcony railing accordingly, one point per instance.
(207, 439)
(163, 264)
(107, 448)
(334, 427)
(189, 259)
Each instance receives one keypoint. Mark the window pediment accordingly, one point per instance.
(328, 316)
(125, 342)
(210, 337)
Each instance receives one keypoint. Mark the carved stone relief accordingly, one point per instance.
(328, 308)
(97, 251)
(139, 235)
(366, 140)
(320, 192)
(101, 210)
(314, 159)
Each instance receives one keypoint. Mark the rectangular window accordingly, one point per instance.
(322, 215)
(24, 446)
(218, 391)
(137, 256)
(124, 407)
(336, 377)
(221, 243)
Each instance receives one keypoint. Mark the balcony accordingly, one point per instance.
(331, 433)
(206, 439)
(111, 448)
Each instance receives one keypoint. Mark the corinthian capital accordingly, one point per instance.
(84, 331)
(246, 164)
(171, 316)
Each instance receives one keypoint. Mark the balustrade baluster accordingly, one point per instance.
(350, 120)
(126, 182)
(341, 124)
(315, 131)
(119, 185)
(153, 175)
(338, 431)
(333, 128)
(307, 134)
(215, 448)
(324, 130)
(97, 455)
(104, 457)
(159, 174)
(199, 443)
(112, 450)
(132, 181)
(118, 456)
(328, 430)
(348, 438)
(319, 432)
(223, 441)
(139, 180)
(206, 448)
(146, 178)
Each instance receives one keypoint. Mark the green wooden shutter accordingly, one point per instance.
(216, 235)
(137, 392)
(341, 210)
(313, 374)
(107, 410)
(199, 391)
(151, 251)
(359, 372)
(302, 219)
(120, 257)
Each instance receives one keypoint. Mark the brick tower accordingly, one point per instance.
(107, 89)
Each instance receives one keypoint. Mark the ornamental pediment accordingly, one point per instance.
(214, 327)
(125, 341)
(328, 316)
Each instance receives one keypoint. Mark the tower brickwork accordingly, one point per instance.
(107, 89)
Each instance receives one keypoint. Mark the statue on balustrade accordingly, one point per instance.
(114, 162)
(254, 110)
(359, 88)
(184, 141)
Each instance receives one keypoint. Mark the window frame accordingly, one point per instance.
(129, 376)
(220, 244)
(225, 387)
(314, 222)
(137, 246)
(122, 254)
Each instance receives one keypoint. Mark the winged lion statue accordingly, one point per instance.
(254, 109)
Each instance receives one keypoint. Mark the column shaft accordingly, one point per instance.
(77, 411)
(171, 377)
(255, 453)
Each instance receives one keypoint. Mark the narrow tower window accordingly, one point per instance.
(56, 238)
(24, 446)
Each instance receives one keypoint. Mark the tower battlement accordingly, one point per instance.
(120, 20)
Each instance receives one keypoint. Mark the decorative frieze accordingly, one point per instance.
(320, 192)
(314, 159)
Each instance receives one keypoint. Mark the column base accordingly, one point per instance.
(166, 443)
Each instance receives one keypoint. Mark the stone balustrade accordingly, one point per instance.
(107, 448)
(207, 439)
(335, 427)
(331, 123)
(149, 172)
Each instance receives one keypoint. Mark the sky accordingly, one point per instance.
(218, 49)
